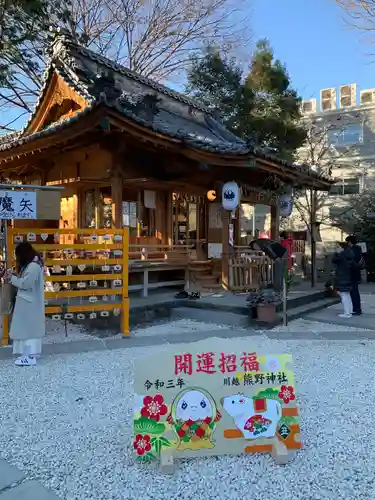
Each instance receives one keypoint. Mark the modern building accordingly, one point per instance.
(341, 141)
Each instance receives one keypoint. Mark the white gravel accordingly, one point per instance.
(55, 332)
(67, 423)
(181, 326)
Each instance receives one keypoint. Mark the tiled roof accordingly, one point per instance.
(150, 104)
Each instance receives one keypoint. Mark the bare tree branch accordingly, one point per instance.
(153, 37)
(324, 158)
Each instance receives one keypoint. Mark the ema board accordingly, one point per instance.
(214, 397)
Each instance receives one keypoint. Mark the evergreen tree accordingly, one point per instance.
(217, 82)
(260, 107)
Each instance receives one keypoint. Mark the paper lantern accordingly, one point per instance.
(211, 195)
(286, 205)
(230, 196)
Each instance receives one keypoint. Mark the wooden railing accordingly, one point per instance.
(249, 270)
(299, 246)
(159, 253)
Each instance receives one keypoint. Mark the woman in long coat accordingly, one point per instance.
(28, 322)
(344, 262)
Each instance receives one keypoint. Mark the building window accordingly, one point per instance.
(346, 135)
(345, 186)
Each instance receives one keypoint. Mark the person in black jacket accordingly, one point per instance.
(356, 274)
(344, 262)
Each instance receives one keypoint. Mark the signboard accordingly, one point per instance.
(18, 204)
(214, 250)
(214, 216)
(48, 206)
(363, 246)
(214, 397)
(231, 234)
(129, 214)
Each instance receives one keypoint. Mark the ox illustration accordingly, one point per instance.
(255, 418)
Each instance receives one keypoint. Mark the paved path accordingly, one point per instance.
(330, 314)
(15, 486)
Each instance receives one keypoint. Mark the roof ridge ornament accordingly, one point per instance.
(59, 36)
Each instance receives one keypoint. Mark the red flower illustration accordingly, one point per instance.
(142, 444)
(287, 394)
(154, 407)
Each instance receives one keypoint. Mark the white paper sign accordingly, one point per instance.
(149, 199)
(17, 205)
(215, 220)
(215, 250)
(125, 214)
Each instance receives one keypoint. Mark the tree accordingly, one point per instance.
(21, 24)
(153, 37)
(259, 106)
(359, 14)
(323, 154)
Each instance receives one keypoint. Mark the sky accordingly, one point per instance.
(318, 47)
(315, 43)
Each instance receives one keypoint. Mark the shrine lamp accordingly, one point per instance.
(211, 195)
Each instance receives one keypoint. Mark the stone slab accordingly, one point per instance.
(30, 490)
(9, 475)
(366, 321)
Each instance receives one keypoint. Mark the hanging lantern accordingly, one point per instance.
(286, 205)
(230, 196)
(211, 195)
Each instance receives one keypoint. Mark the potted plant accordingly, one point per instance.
(253, 300)
(266, 308)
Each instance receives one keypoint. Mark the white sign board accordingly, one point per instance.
(18, 205)
(215, 250)
(363, 246)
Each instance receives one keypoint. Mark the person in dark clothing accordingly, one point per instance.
(356, 274)
(275, 251)
(344, 262)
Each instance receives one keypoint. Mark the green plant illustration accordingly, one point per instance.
(147, 426)
(288, 420)
(158, 442)
(149, 457)
(268, 394)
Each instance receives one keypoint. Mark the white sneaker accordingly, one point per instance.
(25, 361)
(345, 315)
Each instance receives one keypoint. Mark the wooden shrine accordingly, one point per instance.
(131, 152)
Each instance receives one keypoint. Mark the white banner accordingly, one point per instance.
(17, 205)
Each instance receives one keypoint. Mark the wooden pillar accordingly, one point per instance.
(116, 193)
(226, 250)
(159, 203)
(140, 213)
(169, 219)
(275, 221)
(97, 209)
(237, 227)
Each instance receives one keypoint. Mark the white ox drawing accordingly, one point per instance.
(248, 412)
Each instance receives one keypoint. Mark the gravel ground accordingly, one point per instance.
(181, 326)
(55, 332)
(67, 423)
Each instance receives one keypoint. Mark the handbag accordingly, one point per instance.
(8, 298)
